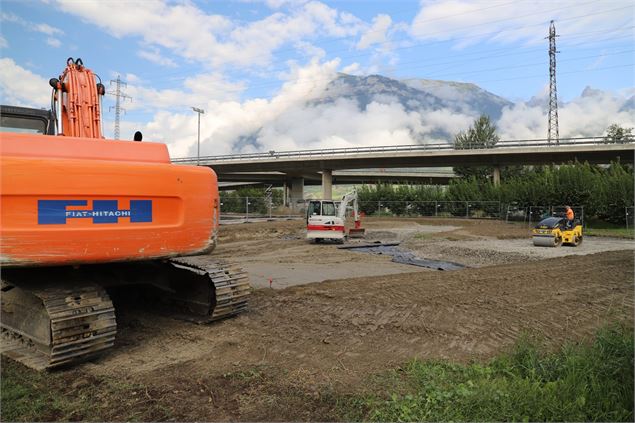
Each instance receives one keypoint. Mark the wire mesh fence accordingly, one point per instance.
(629, 217)
(255, 207)
(534, 214)
(464, 209)
(268, 207)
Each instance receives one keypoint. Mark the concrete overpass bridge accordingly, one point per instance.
(424, 176)
(296, 166)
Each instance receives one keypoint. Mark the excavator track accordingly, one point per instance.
(52, 317)
(229, 286)
(63, 325)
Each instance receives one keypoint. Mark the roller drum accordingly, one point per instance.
(546, 241)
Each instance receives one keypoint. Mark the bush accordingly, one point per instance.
(603, 191)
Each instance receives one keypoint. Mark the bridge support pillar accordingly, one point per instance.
(496, 176)
(296, 197)
(327, 184)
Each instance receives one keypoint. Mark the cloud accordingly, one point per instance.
(376, 33)
(3, 42)
(21, 87)
(48, 29)
(586, 115)
(153, 55)
(197, 91)
(31, 26)
(189, 32)
(226, 123)
(291, 120)
(277, 4)
(505, 22)
(53, 42)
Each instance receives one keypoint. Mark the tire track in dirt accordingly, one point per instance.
(341, 331)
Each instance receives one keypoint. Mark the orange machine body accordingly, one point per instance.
(66, 200)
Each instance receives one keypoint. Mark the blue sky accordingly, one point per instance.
(244, 60)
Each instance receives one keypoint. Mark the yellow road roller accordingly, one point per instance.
(553, 232)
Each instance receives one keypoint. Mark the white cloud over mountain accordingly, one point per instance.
(319, 108)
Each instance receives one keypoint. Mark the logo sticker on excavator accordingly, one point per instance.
(56, 212)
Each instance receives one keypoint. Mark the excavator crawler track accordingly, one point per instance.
(74, 322)
(51, 317)
(229, 290)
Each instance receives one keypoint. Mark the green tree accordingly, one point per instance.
(481, 135)
(616, 134)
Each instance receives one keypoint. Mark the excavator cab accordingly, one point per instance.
(26, 120)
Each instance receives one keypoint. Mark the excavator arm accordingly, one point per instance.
(76, 101)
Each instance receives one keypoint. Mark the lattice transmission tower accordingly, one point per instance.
(553, 92)
(119, 95)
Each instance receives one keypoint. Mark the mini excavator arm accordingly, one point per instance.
(350, 197)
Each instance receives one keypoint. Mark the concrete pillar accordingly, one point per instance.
(285, 203)
(296, 197)
(496, 176)
(327, 184)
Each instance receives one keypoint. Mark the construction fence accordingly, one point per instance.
(267, 207)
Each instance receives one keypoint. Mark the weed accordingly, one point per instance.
(245, 375)
(580, 382)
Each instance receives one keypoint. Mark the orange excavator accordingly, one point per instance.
(82, 216)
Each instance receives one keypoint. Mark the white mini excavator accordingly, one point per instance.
(326, 219)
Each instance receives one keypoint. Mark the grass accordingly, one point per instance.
(580, 382)
(27, 395)
(601, 228)
(612, 232)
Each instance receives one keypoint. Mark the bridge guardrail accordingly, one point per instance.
(394, 148)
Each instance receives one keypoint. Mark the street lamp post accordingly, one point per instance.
(198, 143)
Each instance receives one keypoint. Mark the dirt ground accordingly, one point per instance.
(336, 318)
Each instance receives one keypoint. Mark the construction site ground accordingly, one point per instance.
(332, 320)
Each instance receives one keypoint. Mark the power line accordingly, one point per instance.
(629, 65)
(166, 76)
(118, 96)
(523, 65)
(440, 73)
(174, 76)
(572, 36)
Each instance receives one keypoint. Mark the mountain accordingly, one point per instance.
(415, 94)
(373, 110)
